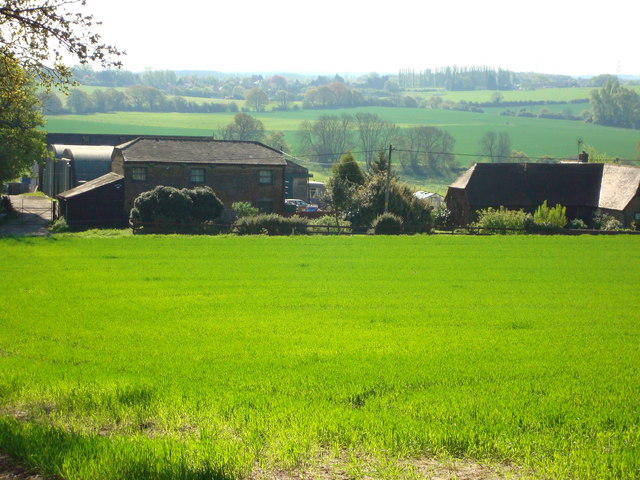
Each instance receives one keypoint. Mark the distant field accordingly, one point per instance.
(539, 95)
(365, 357)
(536, 137)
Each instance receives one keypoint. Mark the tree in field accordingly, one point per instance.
(257, 99)
(277, 140)
(327, 138)
(51, 103)
(496, 146)
(339, 197)
(244, 128)
(143, 97)
(39, 34)
(427, 151)
(373, 133)
(283, 99)
(80, 102)
(21, 141)
(616, 106)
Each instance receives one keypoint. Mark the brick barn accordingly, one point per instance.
(235, 170)
(584, 188)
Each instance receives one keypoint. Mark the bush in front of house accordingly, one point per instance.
(170, 209)
(244, 209)
(576, 224)
(503, 221)
(387, 224)
(270, 224)
(606, 222)
(548, 219)
(206, 206)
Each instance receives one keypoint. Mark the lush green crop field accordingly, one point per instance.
(538, 95)
(536, 137)
(190, 357)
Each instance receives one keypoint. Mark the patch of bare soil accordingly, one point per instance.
(417, 469)
(12, 470)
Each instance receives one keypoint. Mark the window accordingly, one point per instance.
(266, 177)
(139, 174)
(636, 216)
(197, 175)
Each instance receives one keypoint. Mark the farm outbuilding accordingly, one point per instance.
(583, 188)
(435, 200)
(72, 165)
(98, 202)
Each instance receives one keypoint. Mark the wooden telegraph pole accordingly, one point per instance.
(388, 185)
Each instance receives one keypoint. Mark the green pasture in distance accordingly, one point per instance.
(212, 357)
(536, 137)
(538, 95)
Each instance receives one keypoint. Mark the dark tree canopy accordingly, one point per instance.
(41, 34)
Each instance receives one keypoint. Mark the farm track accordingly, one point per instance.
(34, 216)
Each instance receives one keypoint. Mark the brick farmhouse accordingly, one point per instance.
(235, 170)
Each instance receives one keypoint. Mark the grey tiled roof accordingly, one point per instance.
(200, 150)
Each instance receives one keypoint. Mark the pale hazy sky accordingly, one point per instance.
(341, 36)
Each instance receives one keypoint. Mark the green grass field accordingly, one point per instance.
(537, 95)
(536, 137)
(232, 357)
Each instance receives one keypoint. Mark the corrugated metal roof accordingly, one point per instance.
(199, 150)
(107, 179)
(88, 153)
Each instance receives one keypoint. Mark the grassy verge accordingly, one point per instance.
(190, 357)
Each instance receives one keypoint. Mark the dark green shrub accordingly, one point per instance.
(576, 224)
(59, 225)
(162, 204)
(206, 206)
(174, 210)
(387, 224)
(442, 217)
(270, 224)
(416, 214)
